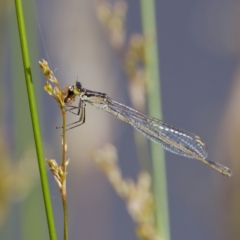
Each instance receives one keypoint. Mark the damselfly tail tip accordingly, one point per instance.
(227, 172)
(218, 167)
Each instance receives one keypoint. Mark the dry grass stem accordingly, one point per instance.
(137, 196)
(63, 98)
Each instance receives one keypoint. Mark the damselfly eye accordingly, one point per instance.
(78, 85)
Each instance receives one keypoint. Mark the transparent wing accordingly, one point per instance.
(169, 137)
(175, 140)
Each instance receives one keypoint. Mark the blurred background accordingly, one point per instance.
(200, 90)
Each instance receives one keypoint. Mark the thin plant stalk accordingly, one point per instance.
(59, 172)
(34, 118)
(64, 190)
(154, 109)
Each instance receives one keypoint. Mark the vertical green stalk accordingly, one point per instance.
(34, 117)
(154, 109)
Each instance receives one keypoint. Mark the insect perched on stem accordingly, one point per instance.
(175, 140)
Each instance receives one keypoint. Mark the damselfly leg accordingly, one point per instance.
(81, 113)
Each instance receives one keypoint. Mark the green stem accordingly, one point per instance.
(34, 118)
(154, 109)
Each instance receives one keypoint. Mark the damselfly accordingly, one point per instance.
(175, 140)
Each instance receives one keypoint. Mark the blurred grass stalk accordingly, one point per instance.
(154, 109)
(34, 117)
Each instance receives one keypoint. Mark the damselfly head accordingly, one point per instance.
(77, 88)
